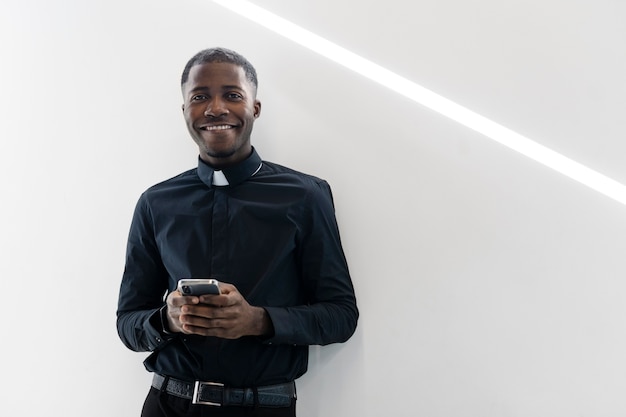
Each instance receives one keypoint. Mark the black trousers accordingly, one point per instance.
(162, 404)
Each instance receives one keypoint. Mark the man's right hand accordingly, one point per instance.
(175, 300)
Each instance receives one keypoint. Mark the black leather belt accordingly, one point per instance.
(216, 394)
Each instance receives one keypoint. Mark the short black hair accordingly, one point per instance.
(219, 54)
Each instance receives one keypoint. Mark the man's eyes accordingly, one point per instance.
(228, 96)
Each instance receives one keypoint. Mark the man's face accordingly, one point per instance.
(220, 107)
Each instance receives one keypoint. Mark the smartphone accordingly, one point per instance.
(198, 286)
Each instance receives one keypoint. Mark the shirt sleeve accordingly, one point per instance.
(143, 286)
(331, 314)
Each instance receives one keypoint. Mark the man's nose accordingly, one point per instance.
(215, 108)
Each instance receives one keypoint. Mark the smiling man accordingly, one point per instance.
(220, 108)
(267, 233)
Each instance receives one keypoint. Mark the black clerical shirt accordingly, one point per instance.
(272, 233)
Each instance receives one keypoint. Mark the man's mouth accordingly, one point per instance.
(217, 127)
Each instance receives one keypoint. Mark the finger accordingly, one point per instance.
(176, 299)
(220, 332)
(213, 299)
(229, 297)
(204, 311)
(188, 329)
(226, 288)
(195, 323)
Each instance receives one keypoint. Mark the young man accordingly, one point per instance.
(267, 233)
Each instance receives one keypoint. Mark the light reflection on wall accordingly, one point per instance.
(429, 99)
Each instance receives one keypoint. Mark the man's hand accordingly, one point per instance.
(227, 315)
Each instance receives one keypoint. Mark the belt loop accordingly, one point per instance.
(255, 395)
(166, 379)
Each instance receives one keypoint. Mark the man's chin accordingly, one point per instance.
(225, 154)
(220, 154)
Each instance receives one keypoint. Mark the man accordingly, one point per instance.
(266, 232)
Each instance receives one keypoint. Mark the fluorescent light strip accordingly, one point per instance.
(427, 98)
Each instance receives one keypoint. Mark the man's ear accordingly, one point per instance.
(182, 106)
(257, 109)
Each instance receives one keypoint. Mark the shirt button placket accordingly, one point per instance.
(219, 258)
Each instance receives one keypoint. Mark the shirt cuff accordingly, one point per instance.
(157, 334)
(284, 331)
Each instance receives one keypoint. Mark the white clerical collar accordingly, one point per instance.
(219, 178)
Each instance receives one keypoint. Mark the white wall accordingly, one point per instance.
(489, 285)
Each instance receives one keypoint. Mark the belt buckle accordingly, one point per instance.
(195, 399)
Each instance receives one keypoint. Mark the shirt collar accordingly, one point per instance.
(233, 175)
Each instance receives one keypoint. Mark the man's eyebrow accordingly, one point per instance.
(196, 89)
(224, 87)
(232, 87)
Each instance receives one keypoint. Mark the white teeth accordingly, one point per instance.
(221, 127)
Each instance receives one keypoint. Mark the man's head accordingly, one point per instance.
(220, 55)
(220, 106)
